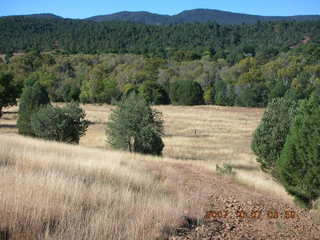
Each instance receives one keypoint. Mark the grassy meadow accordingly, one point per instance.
(203, 135)
(56, 191)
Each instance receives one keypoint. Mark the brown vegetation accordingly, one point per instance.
(57, 191)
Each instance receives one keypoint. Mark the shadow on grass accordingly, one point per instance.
(244, 167)
(188, 135)
(12, 126)
(4, 112)
(4, 234)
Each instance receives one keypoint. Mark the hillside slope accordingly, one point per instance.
(59, 191)
(197, 15)
(188, 16)
(22, 34)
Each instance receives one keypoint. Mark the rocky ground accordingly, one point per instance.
(233, 211)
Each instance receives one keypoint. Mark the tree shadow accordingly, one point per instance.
(244, 167)
(6, 112)
(11, 126)
(189, 135)
(4, 234)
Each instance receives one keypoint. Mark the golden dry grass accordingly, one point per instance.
(205, 135)
(89, 192)
(56, 191)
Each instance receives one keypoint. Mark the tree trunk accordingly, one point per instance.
(0, 111)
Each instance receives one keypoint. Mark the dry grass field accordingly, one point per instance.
(205, 135)
(56, 191)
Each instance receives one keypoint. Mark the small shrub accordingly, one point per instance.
(299, 163)
(135, 126)
(32, 99)
(208, 96)
(186, 92)
(316, 204)
(270, 136)
(226, 169)
(66, 124)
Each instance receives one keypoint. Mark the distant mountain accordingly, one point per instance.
(140, 17)
(196, 15)
(223, 17)
(189, 16)
(41, 16)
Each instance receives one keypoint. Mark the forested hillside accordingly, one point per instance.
(104, 78)
(179, 42)
(245, 65)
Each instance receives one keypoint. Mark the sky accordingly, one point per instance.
(88, 8)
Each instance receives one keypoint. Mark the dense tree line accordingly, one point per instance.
(104, 78)
(179, 42)
(287, 146)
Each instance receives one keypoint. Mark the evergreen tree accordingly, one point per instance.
(135, 126)
(186, 92)
(153, 93)
(66, 124)
(8, 91)
(270, 136)
(299, 164)
(32, 98)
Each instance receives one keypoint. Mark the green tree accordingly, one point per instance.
(99, 91)
(208, 96)
(32, 98)
(8, 91)
(135, 126)
(45, 79)
(224, 94)
(128, 89)
(186, 92)
(66, 124)
(153, 93)
(270, 136)
(299, 163)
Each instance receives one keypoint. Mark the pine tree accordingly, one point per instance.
(32, 99)
(270, 136)
(8, 91)
(134, 126)
(299, 163)
(186, 92)
(62, 124)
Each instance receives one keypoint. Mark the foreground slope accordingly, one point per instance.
(57, 191)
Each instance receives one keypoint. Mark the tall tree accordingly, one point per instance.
(8, 91)
(32, 99)
(299, 164)
(136, 127)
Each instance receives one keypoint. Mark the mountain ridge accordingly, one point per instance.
(188, 16)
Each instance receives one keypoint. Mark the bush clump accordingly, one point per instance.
(135, 126)
(32, 99)
(153, 93)
(186, 92)
(299, 163)
(62, 124)
(270, 136)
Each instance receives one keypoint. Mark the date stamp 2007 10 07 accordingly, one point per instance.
(254, 214)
